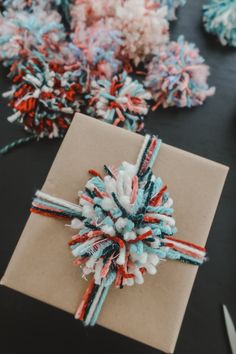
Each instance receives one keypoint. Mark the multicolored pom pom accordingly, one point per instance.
(45, 96)
(121, 101)
(98, 47)
(177, 76)
(124, 228)
(25, 31)
(103, 40)
(143, 29)
(219, 18)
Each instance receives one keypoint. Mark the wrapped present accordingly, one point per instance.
(42, 264)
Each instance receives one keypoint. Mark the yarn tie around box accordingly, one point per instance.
(124, 227)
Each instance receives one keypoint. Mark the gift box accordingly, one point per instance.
(42, 265)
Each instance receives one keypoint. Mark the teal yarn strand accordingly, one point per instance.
(7, 148)
(99, 306)
(17, 143)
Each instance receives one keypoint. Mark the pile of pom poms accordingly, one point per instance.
(85, 57)
(219, 18)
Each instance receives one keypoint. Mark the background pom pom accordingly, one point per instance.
(219, 18)
(143, 29)
(97, 46)
(120, 101)
(45, 96)
(177, 76)
(24, 31)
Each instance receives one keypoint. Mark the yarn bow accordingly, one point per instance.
(125, 227)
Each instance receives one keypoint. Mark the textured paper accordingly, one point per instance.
(41, 265)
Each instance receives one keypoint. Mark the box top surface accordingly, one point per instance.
(41, 265)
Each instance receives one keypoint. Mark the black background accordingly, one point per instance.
(28, 326)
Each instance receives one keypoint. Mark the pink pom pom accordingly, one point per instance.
(98, 46)
(23, 32)
(143, 29)
(177, 76)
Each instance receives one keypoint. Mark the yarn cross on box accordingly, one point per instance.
(124, 228)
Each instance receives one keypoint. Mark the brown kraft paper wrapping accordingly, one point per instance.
(41, 265)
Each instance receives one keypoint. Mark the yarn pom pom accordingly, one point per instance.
(98, 46)
(143, 29)
(121, 221)
(219, 18)
(24, 31)
(121, 101)
(172, 6)
(124, 227)
(124, 204)
(45, 96)
(177, 76)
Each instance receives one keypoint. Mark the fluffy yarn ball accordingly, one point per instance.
(120, 101)
(126, 205)
(45, 96)
(143, 29)
(98, 46)
(177, 76)
(219, 18)
(24, 31)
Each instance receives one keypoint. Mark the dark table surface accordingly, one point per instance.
(28, 326)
